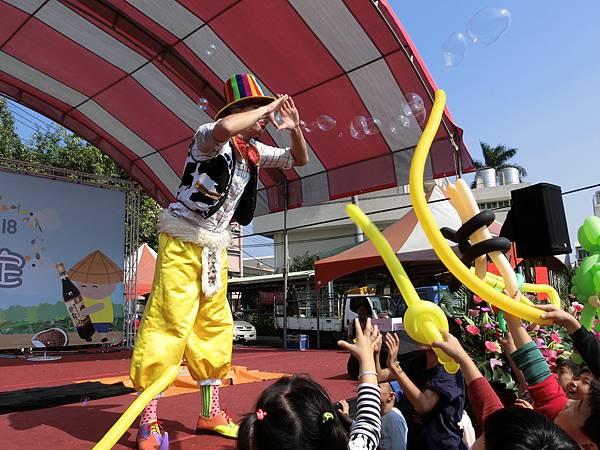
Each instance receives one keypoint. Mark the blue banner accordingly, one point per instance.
(45, 223)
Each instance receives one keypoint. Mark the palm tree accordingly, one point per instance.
(498, 157)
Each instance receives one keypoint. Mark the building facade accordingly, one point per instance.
(338, 233)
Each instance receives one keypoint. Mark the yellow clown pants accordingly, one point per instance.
(179, 320)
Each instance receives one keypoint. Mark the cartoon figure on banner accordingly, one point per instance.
(586, 281)
(97, 276)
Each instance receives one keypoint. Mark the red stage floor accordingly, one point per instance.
(77, 426)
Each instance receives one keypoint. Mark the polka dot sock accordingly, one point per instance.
(149, 412)
(210, 400)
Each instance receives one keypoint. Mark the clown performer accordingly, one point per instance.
(187, 314)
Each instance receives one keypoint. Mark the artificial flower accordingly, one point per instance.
(472, 329)
(577, 306)
(474, 312)
(495, 362)
(491, 346)
(555, 337)
(458, 322)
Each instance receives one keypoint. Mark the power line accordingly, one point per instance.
(322, 222)
(34, 120)
(255, 259)
(21, 122)
(300, 241)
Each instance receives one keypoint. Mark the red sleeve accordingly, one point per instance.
(548, 397)
(484, 400)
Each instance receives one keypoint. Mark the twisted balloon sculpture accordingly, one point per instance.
(134, 410)
(424, 321)
(586, 281)
(437, 240)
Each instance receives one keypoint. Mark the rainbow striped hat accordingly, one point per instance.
(240, 90)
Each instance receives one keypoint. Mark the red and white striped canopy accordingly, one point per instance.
(127, 76)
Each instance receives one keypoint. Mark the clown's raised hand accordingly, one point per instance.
(290, 118)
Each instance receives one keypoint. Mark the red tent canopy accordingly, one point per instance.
(127, 76)
(405, 236)
(144, 272)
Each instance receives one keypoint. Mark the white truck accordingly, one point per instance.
(336, 313)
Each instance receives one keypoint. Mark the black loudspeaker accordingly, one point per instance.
(538, 223)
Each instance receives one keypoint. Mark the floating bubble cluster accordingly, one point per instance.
(203, 104)
(210, 49)
(308, 127)
(278, 118)
(361, 126)
(454, 49)
(373, 126)
(325, 123)
(85, 401)
(357, 127)
(488, 25)
(485, 27)
(398, 123)
(415, 107)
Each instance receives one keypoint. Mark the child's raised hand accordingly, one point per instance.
(366, 341)
(344, 408)
(393, 344)
(520, 403)
(451, 347)
(560, 317)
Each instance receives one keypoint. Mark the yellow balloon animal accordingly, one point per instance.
(465, 208)
(423, 320)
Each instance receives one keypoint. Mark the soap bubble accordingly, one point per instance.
(340, 135)
(278, 118)
(210, 49)
(358, 126)
(372, 125)
(308, 127)
(85, 401)
(399, 123)
(488, 24)
(454, 48)
(326, 123)
(415, 107)
(203, 104)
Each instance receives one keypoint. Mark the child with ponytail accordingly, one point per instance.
(296, 413)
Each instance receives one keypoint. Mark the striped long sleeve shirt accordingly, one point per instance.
(366, 429)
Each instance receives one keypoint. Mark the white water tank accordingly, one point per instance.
(510, 175)
(486, 177)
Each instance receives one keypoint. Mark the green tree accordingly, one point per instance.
(498, 157)
(56, 146)
(15, 313)
(303, 262)
(11, 145)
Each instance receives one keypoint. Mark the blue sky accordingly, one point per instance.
(534, 89)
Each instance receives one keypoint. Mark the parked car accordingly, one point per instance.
(242, 330)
